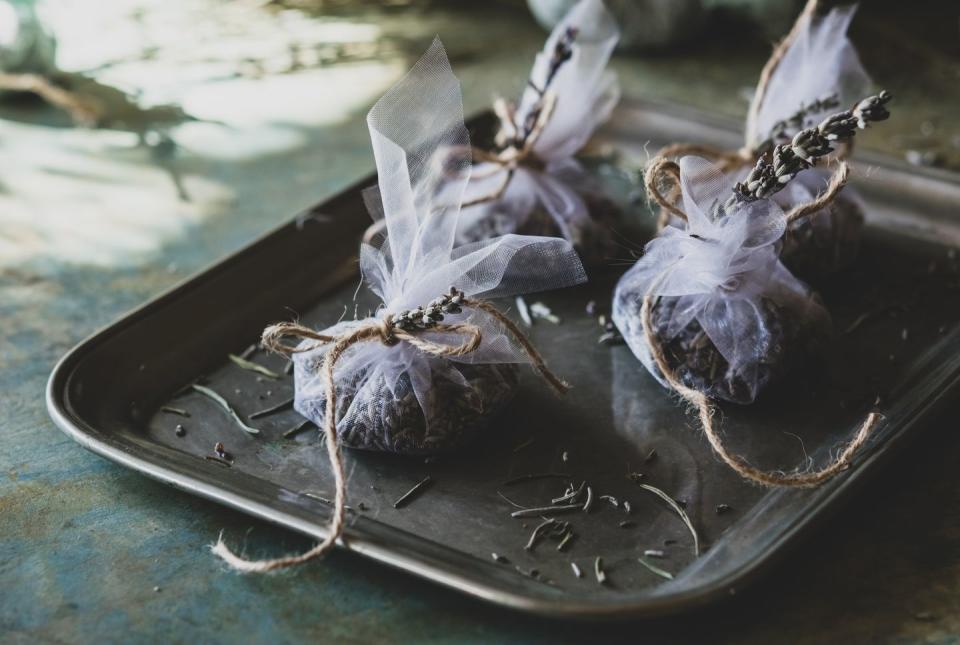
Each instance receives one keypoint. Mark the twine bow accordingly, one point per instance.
(406, 327)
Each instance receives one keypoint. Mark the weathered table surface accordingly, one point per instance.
(92, 224)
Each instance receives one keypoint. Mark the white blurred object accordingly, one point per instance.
(643, 23)
(26, 46)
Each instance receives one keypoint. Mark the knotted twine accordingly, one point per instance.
(705, 407)
(389, 330)
(511, 156)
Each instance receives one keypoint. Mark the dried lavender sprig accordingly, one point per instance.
(807, 146)
(431, 315)
(796, 120)
(562, 52)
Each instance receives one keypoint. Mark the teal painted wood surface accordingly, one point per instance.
(92, 223)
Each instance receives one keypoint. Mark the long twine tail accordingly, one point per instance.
(838, 180)
(706, 413)
(538, 361)
(771, 65)
(337, 520)
(384, 332)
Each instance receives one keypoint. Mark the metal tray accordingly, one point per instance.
(894, 313)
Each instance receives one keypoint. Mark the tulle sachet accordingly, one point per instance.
(437, 360)
(532, 183)
(711, 309)
(813, 73)
(730, 316)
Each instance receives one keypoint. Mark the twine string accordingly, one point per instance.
(664, 172)
(387, 333)
(706, 411)
(838, 179)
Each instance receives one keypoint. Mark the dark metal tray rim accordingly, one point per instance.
(380, 542)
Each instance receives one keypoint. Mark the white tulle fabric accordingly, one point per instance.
(720, 267)
(585, 95)
(412, 128)
(819, 62)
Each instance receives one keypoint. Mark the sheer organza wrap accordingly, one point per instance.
(555, 183)
(821, 61)
(717, 272)
(412, 129)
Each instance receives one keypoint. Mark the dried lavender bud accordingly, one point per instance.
(798, 120)
(838, 127)
(872, 108)
(425, 318)
(806, 147)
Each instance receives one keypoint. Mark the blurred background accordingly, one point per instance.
(201, 123)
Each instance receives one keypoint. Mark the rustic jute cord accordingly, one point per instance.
(385, 332)
(506, 160)
(706, 413)
(838, 180)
